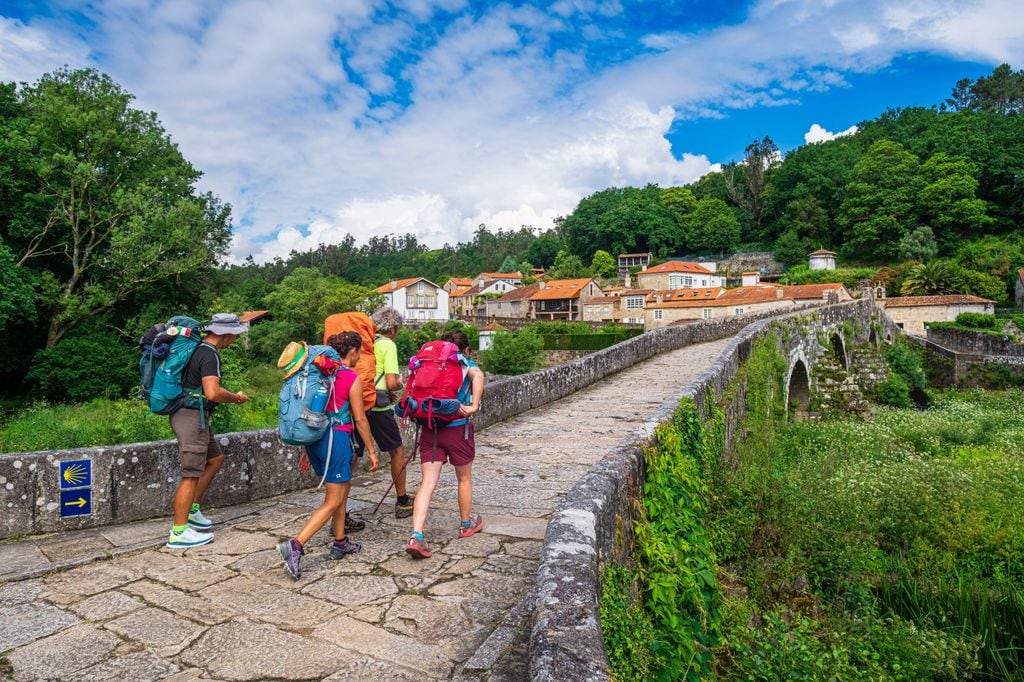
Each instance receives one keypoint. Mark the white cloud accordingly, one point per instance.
(317, 119)
(818, 134)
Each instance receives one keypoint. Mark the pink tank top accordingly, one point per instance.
(343, 380)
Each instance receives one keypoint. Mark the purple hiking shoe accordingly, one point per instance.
(291, 551)
(342, 547)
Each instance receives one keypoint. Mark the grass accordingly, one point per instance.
(911, 521)
(103, 421)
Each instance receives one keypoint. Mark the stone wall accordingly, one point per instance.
(947, 368)
(979, 343)
(591, 527)
(136, 481)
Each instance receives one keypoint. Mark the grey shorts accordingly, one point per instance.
(195, 446)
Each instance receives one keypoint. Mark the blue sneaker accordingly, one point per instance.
(291, 551)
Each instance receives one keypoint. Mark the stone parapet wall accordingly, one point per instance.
(136, 481)
(978, 343)
(592, 525)
(948, 367)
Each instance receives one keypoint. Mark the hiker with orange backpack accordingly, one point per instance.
(331, 456)
(447, 434)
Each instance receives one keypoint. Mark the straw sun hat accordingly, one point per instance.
(292, 357)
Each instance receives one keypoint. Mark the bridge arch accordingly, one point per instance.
(873, 338)
(839, 349)
(798, 389)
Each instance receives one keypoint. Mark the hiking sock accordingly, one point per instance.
(178, 530)
(467, 523)
(297, 545)
(403, 499)
(418, 536)
(195, 508)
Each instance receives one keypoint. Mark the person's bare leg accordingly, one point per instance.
(421, 505)
(338, 519)
(464, 474)
(183, 498)
(334, 497)
(213, 465)
(398, 473)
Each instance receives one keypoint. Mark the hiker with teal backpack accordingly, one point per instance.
(181, 377)
(334, 410)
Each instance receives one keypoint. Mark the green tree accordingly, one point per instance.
(747, 183)
(881, 204)
(790, 249)
(808, 218)
(713, 226)
(1001, 92)
(603, 265)
(544, 248)
(948, 200)
(509, 265)
(513, 353)
(567, 266)
(113, 206)
(919, 245)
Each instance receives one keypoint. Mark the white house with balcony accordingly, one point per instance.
(416, 298)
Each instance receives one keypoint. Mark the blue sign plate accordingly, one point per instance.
(76, 502)
(76, 474)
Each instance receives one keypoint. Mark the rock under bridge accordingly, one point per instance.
(229, 610)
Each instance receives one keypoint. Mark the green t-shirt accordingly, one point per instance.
(386, 353)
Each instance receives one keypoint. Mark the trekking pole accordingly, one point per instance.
(412, 454)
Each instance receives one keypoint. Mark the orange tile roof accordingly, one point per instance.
(601, 299)
(725, 297)
(803, 292)
(399, 284)
(460, 292)
(677, 266)
(686, 294)
(948, 299)
(252, 315)
(520, 294)
(461, 281)
(561, 288)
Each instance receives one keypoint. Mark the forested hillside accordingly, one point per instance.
(103, 232)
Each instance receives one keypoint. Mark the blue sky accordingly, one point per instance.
(433, 116)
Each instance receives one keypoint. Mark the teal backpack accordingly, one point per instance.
(167, 394)
(304, 400)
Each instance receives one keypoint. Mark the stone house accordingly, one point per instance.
(910, 313)
(498, 282)
(633, 260)
(1018, 290)
(711, 303)
(455, 283)
(515, 303)
(677, 274)
(601, 309)
(804, 293)
(561, 299)
(416, 298)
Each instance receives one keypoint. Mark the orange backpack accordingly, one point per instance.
(366, 368)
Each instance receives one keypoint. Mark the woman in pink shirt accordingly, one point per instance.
(331, 457)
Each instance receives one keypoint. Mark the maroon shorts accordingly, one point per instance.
(453, 444)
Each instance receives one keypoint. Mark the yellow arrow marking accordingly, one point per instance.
(80, 502)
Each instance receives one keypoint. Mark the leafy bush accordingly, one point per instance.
(586, 341)
(513, 353)
(894, 391)
(851, 277)
(976, 320)
(628, 633)
(92, 363)
(906, 363)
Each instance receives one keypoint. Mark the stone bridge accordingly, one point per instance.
(100, 598)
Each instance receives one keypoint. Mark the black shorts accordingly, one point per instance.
(384, 429)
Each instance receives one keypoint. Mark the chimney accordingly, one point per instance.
(394, 283)
(540, 284)
(751, 279)
(779, 293)
(626, 280)
(659, 297)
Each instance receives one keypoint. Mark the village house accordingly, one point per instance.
(498, 282)
(601, 309)
(515, 303)
(633, 260)
(455, 283)
(416, 298)
(911, 313)
(560, 299)
(462, 301)
(1018, 290)
(677, 274)
(710, 303)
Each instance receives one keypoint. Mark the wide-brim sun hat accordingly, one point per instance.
(292, 357)
(226, 323)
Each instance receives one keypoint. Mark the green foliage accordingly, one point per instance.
(18, 284)
(567, 266)
(712, 226)
(850, 277)
(92, 362)
(1002, 92)
(919, 245)
(589, 341)
(603, 265)
(929, 279)
(906, 363)
(790, 249)
(676, 561)
(628, 633)
(893, 391)
(513, 352)
(977, 320)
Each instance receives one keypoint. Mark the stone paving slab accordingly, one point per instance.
(229, 610)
